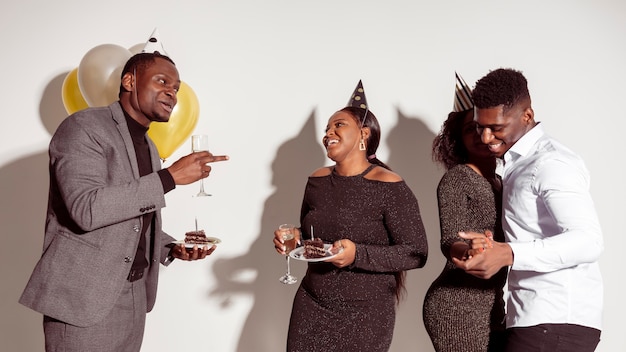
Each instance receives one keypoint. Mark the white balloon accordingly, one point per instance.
(137, 48)
(99, 73)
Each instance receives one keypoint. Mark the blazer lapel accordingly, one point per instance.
(122, 127)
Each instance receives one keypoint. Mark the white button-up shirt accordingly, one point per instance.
(551, 224)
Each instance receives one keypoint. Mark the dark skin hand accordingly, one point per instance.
(279, 243)
(186, 170)
(486, 257)
(478, 244)
(345, 249)
(180, 252)
(193, 167)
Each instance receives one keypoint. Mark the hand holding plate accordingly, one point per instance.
(346, 252)
(182, 252)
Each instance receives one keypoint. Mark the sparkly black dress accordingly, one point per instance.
(463, 313)
(353, 308)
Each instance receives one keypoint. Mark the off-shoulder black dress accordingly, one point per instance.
(353, 308)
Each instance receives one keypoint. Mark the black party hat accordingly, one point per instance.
(357, 99)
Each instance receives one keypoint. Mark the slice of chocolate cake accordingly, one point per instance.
(314, 248)
(196, 237)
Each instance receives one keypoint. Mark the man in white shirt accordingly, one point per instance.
(553, 236)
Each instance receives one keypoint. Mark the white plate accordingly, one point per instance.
(298, 254)
(212, 241)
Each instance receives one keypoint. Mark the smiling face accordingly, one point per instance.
(500, 130)
(472, 142)
(342, 137)
(152, 91)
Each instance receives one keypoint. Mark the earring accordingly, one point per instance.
(362, 144)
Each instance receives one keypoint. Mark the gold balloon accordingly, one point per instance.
(73, 99)
(169, 136)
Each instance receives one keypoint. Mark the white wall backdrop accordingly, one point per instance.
(268, 74)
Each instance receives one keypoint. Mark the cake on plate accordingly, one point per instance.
(314, 248)
(196, 237)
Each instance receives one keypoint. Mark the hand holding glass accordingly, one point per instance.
(200, 143)
(288, 233)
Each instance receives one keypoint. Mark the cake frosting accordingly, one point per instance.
(314, 248)
(196, 237)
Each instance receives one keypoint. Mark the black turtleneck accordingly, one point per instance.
(142, 152)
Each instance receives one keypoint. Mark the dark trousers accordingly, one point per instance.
(121, 331)
(552, 338)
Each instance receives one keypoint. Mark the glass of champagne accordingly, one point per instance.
(200, 143)
(288, 233)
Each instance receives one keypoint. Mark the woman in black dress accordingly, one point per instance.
(347, 303)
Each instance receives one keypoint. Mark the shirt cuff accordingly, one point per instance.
(523, 255)
(167, 181)
(168, 260)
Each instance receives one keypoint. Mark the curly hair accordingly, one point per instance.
(504, 86)
(448, 147)
(139, 62)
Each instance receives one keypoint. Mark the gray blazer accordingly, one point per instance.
(95, 209)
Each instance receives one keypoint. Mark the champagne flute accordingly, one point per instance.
(288, 234)
(199, 143)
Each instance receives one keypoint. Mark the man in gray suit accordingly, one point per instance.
(97, 276)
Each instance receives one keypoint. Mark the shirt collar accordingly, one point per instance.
(525, 143)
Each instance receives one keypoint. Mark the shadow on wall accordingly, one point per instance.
(24, 193)
(410, 145)
(265, 329)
